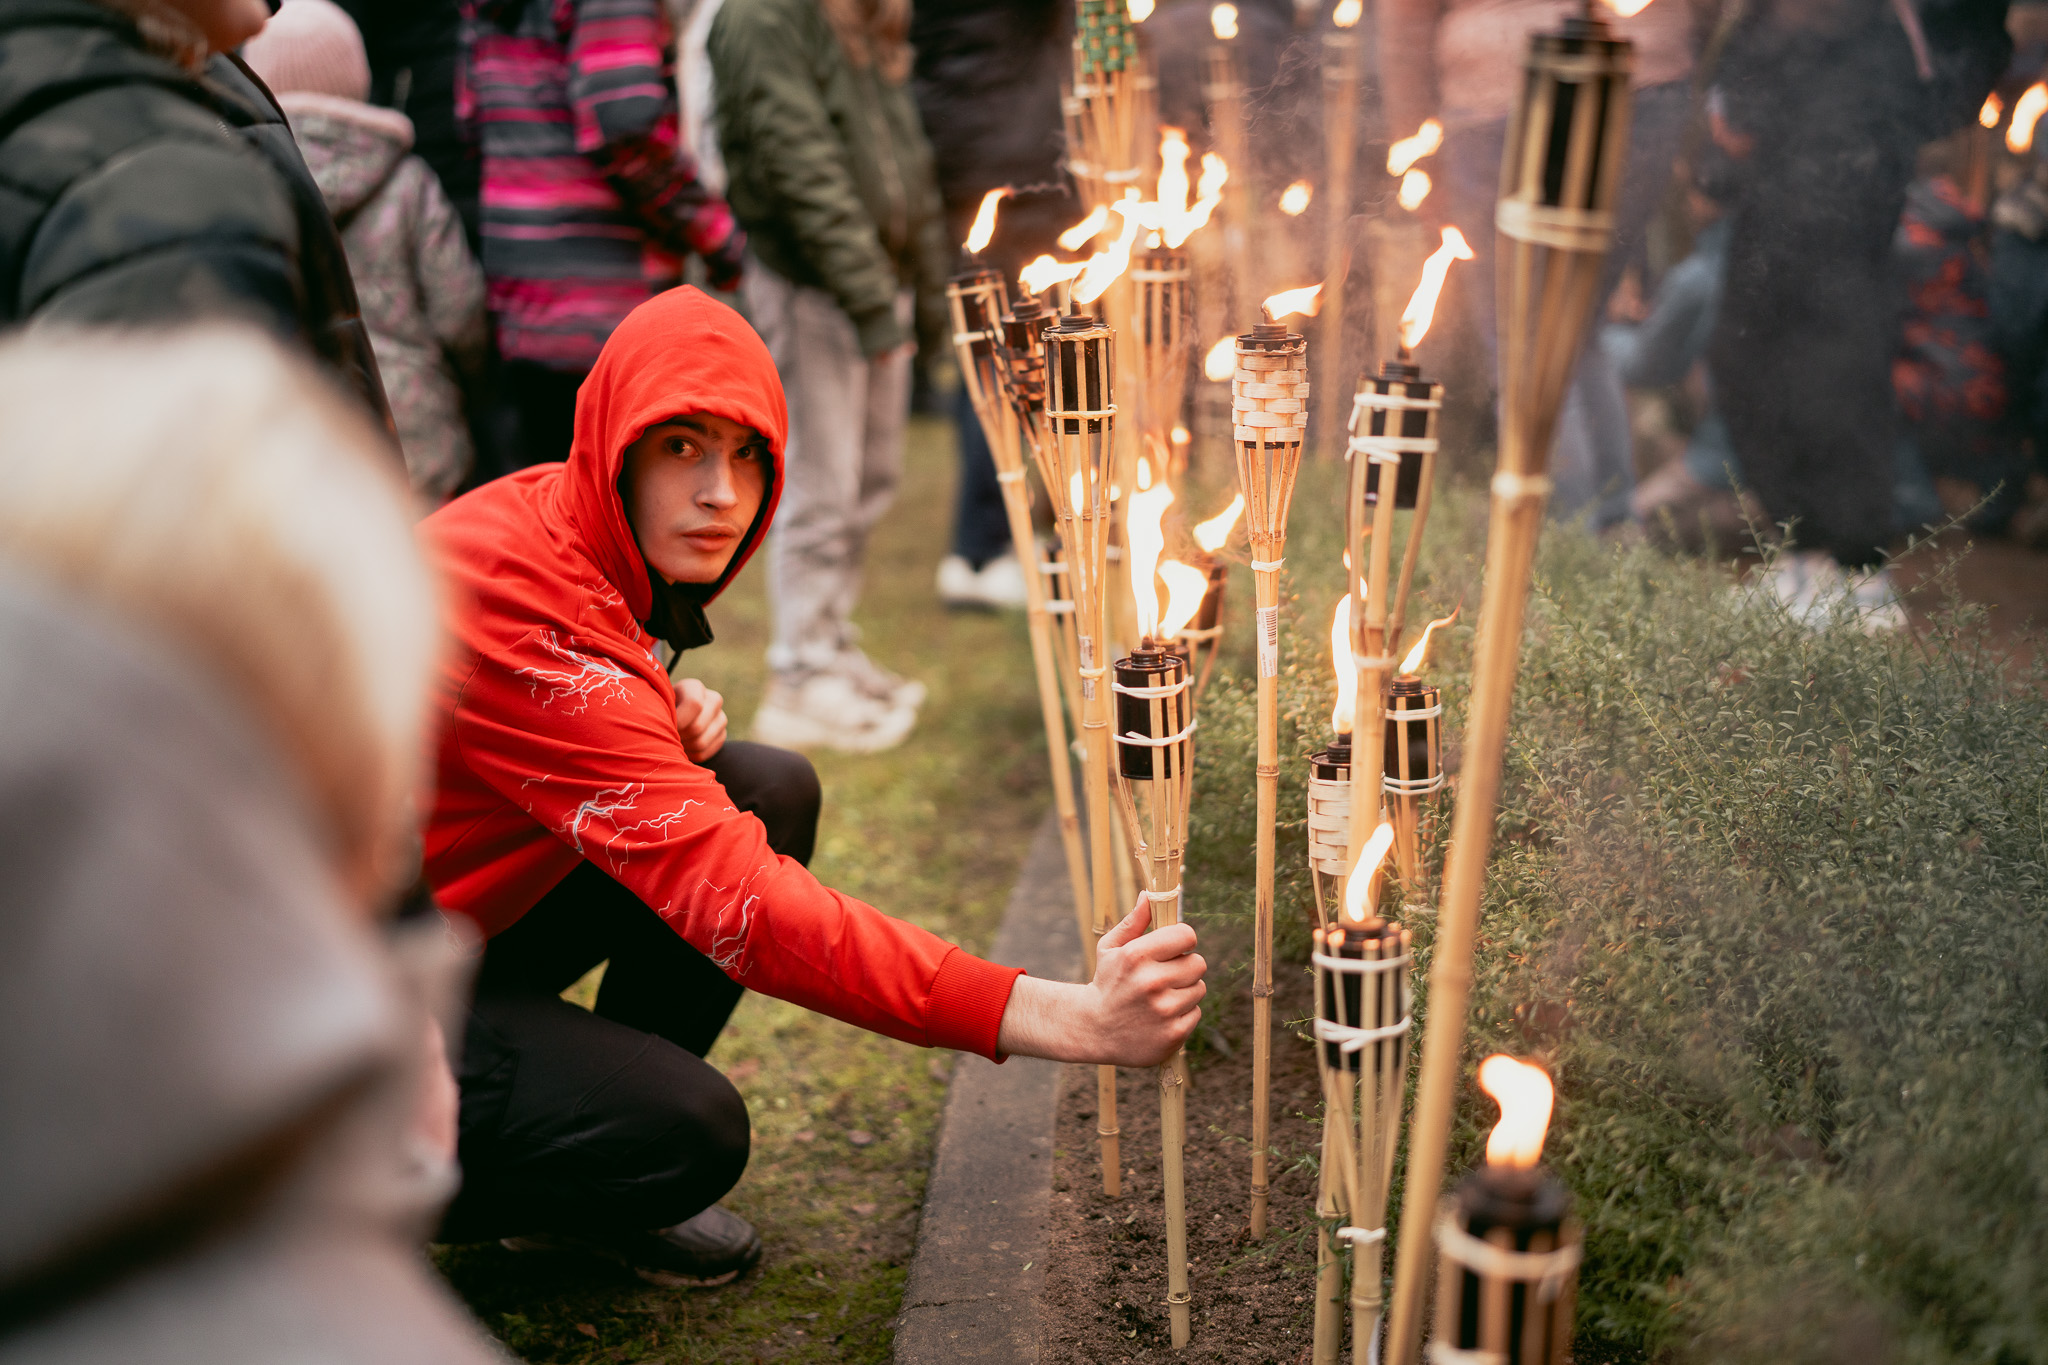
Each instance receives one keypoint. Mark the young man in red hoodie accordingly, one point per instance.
(591, 810)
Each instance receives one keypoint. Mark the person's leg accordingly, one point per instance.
(981, 523)
(544, 404)
(884, 408)
(776, 786)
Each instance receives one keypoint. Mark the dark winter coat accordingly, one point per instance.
(137, 190)
(828, 167)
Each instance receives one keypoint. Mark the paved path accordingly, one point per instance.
(980, 1267)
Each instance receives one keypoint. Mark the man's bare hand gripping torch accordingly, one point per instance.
(1143, 1003)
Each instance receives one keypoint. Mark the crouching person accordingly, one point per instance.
(591, 810)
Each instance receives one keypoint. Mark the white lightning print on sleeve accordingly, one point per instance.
(583, 678)
(659, 824)
(729, 926)
(608, 802)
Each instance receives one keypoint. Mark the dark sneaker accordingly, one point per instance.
(716, 1247)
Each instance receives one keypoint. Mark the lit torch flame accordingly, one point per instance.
(1170, 215)
(1415, 187)
(1106, 265)
(1524, 1095)
(1045, 272)
(1085, 231)
(1628, 9)
(1346, 668)
(1186, 586)
(1421, 310)
(1223, 22)
(1358, 905)
(985, 221)
(1306, 301)
(1139, 10)
(1180, 436)
(1211, 534)
(2026, 112)
(1347, 13)
(1144, 540)
(1409, 150)
(1421, 650)
(1294, 199)
(1993, 110)
(1221, 362)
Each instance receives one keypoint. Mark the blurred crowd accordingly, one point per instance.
(279, 279)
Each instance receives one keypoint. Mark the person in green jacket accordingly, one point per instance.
(831, 176)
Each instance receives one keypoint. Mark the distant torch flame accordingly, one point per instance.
(1414, 189)
(1214, 173)
(2026, 112)
(1186, 586)
(1421, 310)
(1211, 534)
(1347, 13)
(1524, 1095)
(1221, 362)
(1180, 436)
(1085, 231)
(1421, 650)
(1143, 542)
(1628, 9)
(1358, 906)
(1045, 272)
(1223, 22)
(1993, 110)
(984, 227)
(1288, 302)
(1106, 265)
(1410, 150)
(1139, 10)
(1346, 669)
(1171, 215)
(1294, 199)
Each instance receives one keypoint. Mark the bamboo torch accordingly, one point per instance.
(1566, 146)
(1155, 726)
(1160, 281)
(1077, 460)
(1341, 65)
(1203, 634)
(1269, 395)
(1414, 763)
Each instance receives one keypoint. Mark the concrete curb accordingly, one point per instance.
(975, 1283)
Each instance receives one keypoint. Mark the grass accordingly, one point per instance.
(844, 1121)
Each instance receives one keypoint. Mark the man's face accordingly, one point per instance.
(693, 487)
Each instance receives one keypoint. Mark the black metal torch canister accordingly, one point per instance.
(1151, 704)
(1413, 711)
(1371, 996)
(1395, 412)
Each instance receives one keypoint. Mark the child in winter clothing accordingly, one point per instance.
(422, 293)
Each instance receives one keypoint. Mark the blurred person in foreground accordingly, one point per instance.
(1460, 62)
(422, 292)
(988, 86)
(229, 1119)
(590, 809)
(151, 178)
(591, 204)
(1820, 107)
(831, 175)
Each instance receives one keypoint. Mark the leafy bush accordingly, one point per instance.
(1773, 902)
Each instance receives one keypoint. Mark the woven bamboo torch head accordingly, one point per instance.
(1080, 413)
(977, 302)
(1566, 145)
(1269, 417)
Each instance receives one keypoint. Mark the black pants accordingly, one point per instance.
(610, 1121)
(543, 402)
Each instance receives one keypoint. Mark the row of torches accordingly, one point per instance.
(1044, 384)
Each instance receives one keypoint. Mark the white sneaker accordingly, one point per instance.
(997, 586)
(1813, 589)
(875, 681)
(1874, 600)
(827, 710)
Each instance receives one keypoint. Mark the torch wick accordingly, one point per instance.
(1266, 315)
(1402, 355)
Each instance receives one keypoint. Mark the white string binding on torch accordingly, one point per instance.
(1547, 1270)
(1267, 565)
(1392, 446)
(1512, 486)
(1348, 1038)
(1010, 476)
(1413, 786)
(1395, 402)
(1166, 742)
(1419, 713)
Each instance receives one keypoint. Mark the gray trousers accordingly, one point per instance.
(840, 470)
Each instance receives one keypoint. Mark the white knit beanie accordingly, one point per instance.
(311, 45)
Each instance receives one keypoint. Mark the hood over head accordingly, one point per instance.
(350, 147)
(680, 353)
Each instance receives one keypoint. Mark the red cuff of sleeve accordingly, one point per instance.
(967, 1002)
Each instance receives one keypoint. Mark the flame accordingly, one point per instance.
(1180, 436)
(1186, 586)
(1077, 492)
(1143, 542)
(1414, 189)
(1170, 214)
(1347, 13)
(1045, 272)
(1306, 301)
(1628, 9)
(1993, 110)
(2026, 112)
(1294, 199)
(1346, 669)
(1139, 10)
(1409, 150)
(1106, 265)
(985, 221)
(1214, 173)
(1223, 21)
(1358, 906)
(1421, 650)
(1211, 534)
(1085, 231)
(1524, 1095)
(1221, 362)
(1421, 310)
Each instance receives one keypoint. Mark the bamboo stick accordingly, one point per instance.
(1341, 65)
(1226, 129)
(1565, 149)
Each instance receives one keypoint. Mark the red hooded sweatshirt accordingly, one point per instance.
(559, 737)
